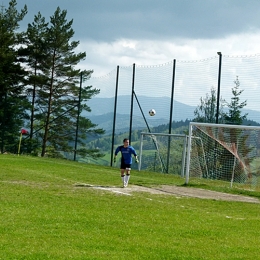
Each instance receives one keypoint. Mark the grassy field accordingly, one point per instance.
(47, 214)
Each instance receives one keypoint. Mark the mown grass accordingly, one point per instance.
(47, 214)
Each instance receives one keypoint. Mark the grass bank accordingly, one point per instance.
(45, 214)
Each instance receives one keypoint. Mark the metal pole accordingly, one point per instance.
(218, 98)
(188, 156)
(140, 153)
(172, 95)
(77, 125)
(170, 122)
(114, 120)
(184, 156)
(138, 103)
(219, 78)
(132, 104)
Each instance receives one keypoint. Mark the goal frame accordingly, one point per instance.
(185, 137)
(191, 124)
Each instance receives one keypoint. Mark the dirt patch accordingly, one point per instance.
(206, 194)
(176, 191)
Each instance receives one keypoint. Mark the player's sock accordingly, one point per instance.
(123, 179)
(127, 177)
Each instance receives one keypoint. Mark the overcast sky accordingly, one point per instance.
(151, 32)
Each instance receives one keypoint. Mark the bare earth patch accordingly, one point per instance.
(176, 191)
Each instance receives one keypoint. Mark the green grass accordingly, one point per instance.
(46, 214)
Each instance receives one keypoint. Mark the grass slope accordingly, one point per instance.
(46, 215)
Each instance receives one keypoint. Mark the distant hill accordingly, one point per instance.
(105, 121)
(103, 109)
(100, 106)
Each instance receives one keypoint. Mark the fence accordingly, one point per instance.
(173, 89)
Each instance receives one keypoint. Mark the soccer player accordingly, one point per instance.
(126, 160)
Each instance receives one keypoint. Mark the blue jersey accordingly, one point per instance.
(126, 153)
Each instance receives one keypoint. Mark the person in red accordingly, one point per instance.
(126, 160)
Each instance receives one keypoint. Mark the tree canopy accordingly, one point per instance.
(206, 110)
(13, 103)
(41, 87)
(234, 115)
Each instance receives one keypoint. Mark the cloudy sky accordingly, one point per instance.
(151, 32)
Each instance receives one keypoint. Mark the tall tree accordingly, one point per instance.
(234, 115)
(13, 103)
(206, 111)
(56, 107)
(35, 54)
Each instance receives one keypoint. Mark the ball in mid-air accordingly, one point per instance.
(152, 112)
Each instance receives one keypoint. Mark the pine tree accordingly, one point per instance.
(56, 82)
(35, 52)
(13, 101)
(234, 115)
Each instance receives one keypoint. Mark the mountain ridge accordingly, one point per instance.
(102, 112)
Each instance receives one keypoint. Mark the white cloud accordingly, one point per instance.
(105, 56)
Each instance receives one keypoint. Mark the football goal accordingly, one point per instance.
(161, 152)
(229, 153)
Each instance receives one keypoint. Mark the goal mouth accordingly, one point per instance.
(222, 152)
(161, 152)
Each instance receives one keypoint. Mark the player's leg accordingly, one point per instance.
(127, 176)
(122, 170)
(123, 176)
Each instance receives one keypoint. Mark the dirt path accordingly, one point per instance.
(177, 191)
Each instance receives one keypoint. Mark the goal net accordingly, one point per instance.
(228, 153)
(163, 152)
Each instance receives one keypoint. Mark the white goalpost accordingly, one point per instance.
(222, 152)
(162, 152)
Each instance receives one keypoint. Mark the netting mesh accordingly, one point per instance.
(101, 114)
(153, 87)
(151, 83)
(225, 153)
(162, 153)
(245, 68)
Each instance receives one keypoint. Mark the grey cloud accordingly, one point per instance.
(108, 20)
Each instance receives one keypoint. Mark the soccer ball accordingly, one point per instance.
(152, 112)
